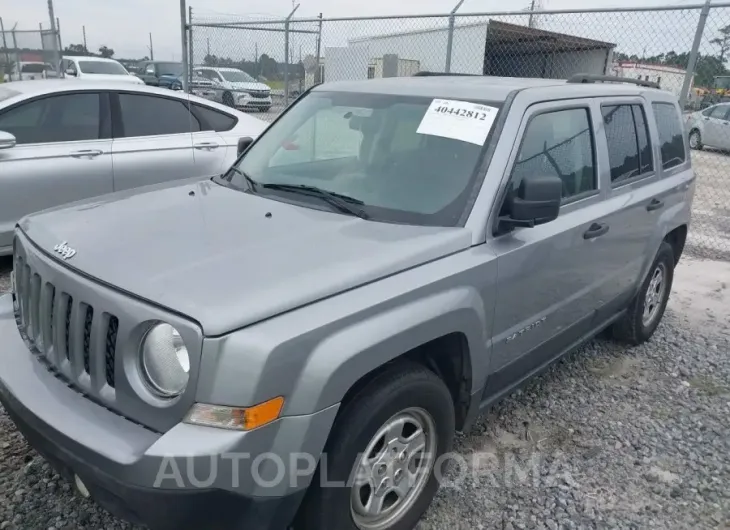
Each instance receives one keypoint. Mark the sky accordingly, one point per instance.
(125, 25)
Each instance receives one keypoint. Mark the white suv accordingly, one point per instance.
(97, 69)
(236, 88)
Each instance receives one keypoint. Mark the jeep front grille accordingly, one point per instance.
(65, 332)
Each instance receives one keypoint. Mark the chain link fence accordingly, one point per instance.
(28, 54)
(684, 48)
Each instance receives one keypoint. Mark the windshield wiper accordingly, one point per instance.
(251, 182)
(344, 203)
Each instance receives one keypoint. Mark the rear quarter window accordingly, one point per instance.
(671, 134)
(213, 119)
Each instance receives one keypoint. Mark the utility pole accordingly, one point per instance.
(256, 61)
(5, 45)
(208, 46)
(152, 50)
(56, 40)
(532, 10)
(83, 28)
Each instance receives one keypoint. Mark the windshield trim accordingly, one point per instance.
(462, 204)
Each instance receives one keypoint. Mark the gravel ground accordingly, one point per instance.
(609, 437)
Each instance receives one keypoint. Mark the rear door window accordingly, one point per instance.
(671, 134)
(144, 115)
(627, 138)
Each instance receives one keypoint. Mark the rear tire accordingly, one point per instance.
(647, 308)
(228, 99)
(380, 426)
(695, 140)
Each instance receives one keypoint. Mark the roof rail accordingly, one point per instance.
(591, 78)
(441, 74)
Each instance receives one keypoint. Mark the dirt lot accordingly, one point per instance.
(609, 437)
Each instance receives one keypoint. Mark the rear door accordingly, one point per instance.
(153, 140)
(632, 177)
(211, 153)
(551, 275)
(63, 154)
(717, 128)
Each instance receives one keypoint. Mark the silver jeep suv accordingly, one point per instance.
(296, 341)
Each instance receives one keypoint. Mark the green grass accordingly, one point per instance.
(276, 85)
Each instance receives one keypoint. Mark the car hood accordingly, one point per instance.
(249, 86)
(227, 258)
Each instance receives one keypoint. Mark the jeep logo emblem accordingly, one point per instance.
(64, 250)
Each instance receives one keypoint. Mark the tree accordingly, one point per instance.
(210, 60)
(723, 41)
(76, 49)
(106, 52)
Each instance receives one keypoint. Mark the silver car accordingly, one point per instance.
(297, 340)
(235, 88)
(709, 127)
(65, 140)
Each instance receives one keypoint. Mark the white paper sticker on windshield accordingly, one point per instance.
(460, 120)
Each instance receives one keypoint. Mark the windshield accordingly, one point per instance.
(237, 76)
(722, 82)
(401, 156)
(175, 69)
(34, 68)
(102, 67)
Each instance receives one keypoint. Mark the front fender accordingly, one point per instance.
(313, 355)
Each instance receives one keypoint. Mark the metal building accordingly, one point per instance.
(485, 48)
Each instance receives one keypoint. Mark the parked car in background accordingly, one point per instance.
(30, 70)
(159, 73)
(235, 88)
(199, 86)
(96, 69)
(64, 140)
(709, 127)
(387, 261)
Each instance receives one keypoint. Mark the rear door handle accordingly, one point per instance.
(87, 153)
(595, 230)
(206, 145)
(655, 204)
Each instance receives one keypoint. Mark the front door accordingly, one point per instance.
(549, 276)
(154, 141)
(63, 154)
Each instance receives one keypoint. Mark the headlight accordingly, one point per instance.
(165, 361)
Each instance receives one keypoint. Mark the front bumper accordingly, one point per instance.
(246, 101)
(169, 480)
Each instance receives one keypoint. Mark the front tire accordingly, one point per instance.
(647, 309)
(695, 140)
(385, 445)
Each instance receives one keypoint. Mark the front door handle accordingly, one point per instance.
(655, 204)
(595, 230)
(87, 153)
(206, 145)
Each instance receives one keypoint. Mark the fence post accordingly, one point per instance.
(191, 57)
(450, 41)
(286, 55)
(54, 32)
(60, 45)
(184, 37)
(317, 80)
(693, 55)
(7, 52)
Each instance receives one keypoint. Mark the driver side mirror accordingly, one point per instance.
(7, 140)
(70, 72)
(243, 144)
(536, 202)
